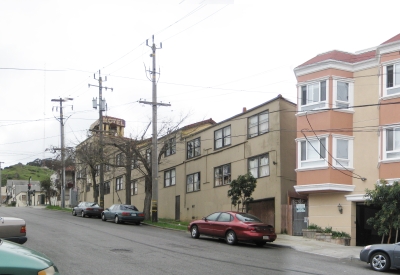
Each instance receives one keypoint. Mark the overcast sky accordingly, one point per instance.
(217, 57)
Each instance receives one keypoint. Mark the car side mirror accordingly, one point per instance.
(204, 218)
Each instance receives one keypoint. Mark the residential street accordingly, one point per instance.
(89, 246)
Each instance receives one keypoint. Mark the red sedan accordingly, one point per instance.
(233, 227)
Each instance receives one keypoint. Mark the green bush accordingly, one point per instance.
(314, 226)
(328, 229)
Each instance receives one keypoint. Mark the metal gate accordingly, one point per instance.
(300, 216)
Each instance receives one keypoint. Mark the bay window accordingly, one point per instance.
(312, 152)
(393, 79)
(313, 95)
(392, 140)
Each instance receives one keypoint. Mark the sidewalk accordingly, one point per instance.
(318, 247)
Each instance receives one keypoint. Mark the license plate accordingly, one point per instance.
(265, 237)
(133, 214)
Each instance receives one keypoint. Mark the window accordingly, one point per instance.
(222, 175)
(193, 148)
(134, 187)
(193, 182)
(225, 217)
(259, 166)
(213, 216)
(119, 159)
(312, 152)
(119, 184)
(107, 188)
(148, 155)
(258, 124)
(170, 147)
(107, 167)
(169, 178)
(343, 93)
(87, 187)
(97, 167)
(313, 95)
(393, 79)
(342, 151)
(222, 137)
(134, 163)
(392, 140)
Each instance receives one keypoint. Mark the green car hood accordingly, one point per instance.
(17, 259)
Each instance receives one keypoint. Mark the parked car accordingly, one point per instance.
(13, 229)
(19, 260)
(233, 227)
(123, 213)
(90, 209)
(381, 257)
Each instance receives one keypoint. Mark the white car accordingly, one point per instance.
(13, 229)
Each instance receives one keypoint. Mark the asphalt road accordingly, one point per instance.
(84, 246)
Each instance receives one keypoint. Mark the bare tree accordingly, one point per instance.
(88, 154)
(136, 154)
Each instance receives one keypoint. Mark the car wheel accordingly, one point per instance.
(194, 232)
(82, 214)
(103, 217)
(260, 244)
(380, 261)
(73, 213)
(230, 237)
(116, 220)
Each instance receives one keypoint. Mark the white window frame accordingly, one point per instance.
(393, 91)
(385, 152)
(345, 163)
(320, 104)
(312, 164)
(170, 178)
(340, 103)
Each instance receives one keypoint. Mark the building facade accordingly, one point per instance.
(200, 160)
(348, 134)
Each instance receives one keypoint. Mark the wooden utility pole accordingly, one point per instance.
(102, 107)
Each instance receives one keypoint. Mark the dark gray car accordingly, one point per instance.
(381, 257)
(123, 213)
(89, 209)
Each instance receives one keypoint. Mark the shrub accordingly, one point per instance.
(314, 226)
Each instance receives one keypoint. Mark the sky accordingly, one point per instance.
(216, 57)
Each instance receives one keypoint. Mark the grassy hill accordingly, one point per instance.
(23, 172)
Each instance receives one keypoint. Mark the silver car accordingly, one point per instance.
(381, 257)
(13, 229)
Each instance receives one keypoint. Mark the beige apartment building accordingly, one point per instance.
(201, 160)
(348, 135)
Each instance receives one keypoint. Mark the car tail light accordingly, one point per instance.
(126, 214)
(141, 214)
(23, 229)
(252, 228)
(89, 209)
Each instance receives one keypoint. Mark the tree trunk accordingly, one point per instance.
(383, 237)
(128, 184)
(147, 199)
(390, 235)
(397, 234)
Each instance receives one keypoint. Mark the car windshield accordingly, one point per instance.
(129, 207)
(244, 217)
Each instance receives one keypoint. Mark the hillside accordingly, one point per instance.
(23, 172)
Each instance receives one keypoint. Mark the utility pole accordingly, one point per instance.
(102, 107)
(154, 157)
(1, 201)
(62, 148)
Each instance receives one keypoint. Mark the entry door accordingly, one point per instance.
(178, 208)
(300, 216)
